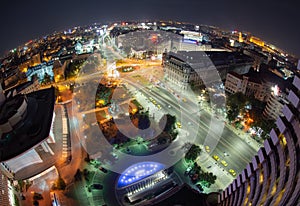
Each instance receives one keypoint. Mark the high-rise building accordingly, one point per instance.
(25, 124)
(5, 189)
(274, 106)
(273, 175)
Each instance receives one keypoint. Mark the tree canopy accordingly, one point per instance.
(170, 123)
(235, 104)
(193, 153)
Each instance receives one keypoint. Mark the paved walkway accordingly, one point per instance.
(143, 100)
(224, 178)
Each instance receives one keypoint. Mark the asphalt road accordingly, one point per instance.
(238, 153)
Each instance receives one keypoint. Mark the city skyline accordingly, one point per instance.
(149, 113)
(273, 21)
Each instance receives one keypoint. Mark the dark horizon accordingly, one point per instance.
(273, 22)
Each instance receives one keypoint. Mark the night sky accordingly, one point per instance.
(277, 22)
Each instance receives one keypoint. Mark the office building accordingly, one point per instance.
(25, 125)
(190, 68)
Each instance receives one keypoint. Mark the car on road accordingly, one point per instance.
(216, 157)
(103, 169)
(232, 172)
(226, 154)
(207, 149)
(189, 169)
(97, 186)
(223, 162)
(115, 156)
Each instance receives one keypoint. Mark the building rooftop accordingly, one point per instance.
(9, 108)
(33, 128)
(19, 87)
(267, 76)
(218, 58)
(236, 75)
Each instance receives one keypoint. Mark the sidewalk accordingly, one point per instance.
(224, 178)
(143, 100)
(246, 137)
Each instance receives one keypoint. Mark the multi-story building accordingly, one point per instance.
(25, 125)
(257, 41)
(24, 88)
(40, 70)
(258, 57)
(190, 68)
(254, 87)
(33, 61)
(274, 106)
(234, 83)
(273, 175)
(5, 189)
(259, 89)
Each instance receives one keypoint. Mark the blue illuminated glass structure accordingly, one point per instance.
(137, 172)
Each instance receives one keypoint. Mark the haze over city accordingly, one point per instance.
(274, 21)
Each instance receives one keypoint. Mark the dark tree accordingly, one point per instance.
(144, 121)
(235, 104)
(59, 184)
(37, 196)
(193, 153)
(78, 174)
(47, 79)
(170, 123)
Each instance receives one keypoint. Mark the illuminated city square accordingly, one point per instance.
(149, 111)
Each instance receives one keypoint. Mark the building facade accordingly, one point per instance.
(273, 175)
(259, 58)
(25, 123)
(4, 190)
(234, 83)
(274, 106)
(260, 90)
(186, 69)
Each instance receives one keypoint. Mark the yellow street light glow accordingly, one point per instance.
(100, 102)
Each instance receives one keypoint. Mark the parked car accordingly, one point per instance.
(216, 157)
(232, 172)
(223, 162)
(207, 149)
(97, 186)
(103, 169)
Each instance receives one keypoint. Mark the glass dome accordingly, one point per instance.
(137, 172)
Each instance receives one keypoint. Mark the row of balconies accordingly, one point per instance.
(277, 161)
(15, 119)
